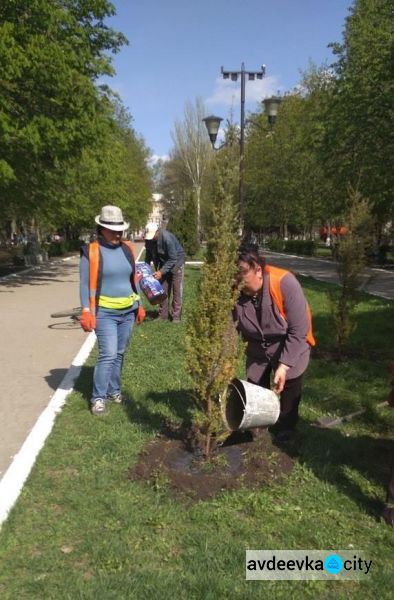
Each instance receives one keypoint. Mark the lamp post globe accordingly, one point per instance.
(271, 106)
(212, 124)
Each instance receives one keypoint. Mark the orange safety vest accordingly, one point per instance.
(275, 277)
(94, 263)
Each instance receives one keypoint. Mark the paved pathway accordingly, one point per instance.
(36, 350)
(375, 281)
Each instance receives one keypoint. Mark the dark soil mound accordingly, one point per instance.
(240, 462)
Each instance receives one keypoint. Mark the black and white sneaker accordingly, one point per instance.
(98, 407)
(117, 398)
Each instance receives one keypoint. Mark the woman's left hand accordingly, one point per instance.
(280, 378)
(140, 315)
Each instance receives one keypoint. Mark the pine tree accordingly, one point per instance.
(351, 254)
(212, 342)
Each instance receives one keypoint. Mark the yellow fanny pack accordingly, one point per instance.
(117, 303)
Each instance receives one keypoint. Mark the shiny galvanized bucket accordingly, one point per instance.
(248, 405)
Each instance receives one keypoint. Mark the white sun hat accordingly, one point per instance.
(150, 231)
(111, 217)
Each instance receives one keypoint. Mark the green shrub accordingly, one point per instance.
(55, 249)
(351, 254)
(301, 247)
(276, 245)
(17, 256)
(60, 248)
(74, 245)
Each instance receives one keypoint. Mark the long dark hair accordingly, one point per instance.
(252, 255)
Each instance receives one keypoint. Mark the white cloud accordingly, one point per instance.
(221, 135)
(156, 157)
(229, 92)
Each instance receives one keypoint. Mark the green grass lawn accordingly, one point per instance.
(82, 529)
(323, 252)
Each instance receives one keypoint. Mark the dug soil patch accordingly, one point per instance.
(240, 462)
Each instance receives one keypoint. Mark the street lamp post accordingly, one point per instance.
(212, 124)
(233, 75)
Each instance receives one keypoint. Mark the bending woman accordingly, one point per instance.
(273, 317)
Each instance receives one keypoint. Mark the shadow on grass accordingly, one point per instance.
(344, 461)
(180, 403)
(83, 384)
(151, 314)
(140, 410)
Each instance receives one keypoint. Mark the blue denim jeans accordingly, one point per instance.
(113, 329)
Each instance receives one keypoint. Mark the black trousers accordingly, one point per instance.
(289, 400)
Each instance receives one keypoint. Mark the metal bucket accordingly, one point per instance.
(248, 405)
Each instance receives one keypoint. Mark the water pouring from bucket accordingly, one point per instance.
(248, 405)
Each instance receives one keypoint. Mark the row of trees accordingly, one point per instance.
(67, 143)
(332, 134)
(314, 165)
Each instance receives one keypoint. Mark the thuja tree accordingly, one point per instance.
(183, 224)
(212, 344)
(351, 254)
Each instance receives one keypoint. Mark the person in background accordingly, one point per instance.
(151, 247)
(323, 232)
(170, 270)
(110, 302)
(273, 317)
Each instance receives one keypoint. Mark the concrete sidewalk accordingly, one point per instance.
(374, 281)
(36, 350)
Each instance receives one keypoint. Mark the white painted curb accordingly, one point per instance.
(14, 478)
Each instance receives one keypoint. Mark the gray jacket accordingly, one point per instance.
(270, 338)
(170, 253)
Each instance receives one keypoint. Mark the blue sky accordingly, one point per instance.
(178, 46)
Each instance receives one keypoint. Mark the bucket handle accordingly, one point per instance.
(239, 394)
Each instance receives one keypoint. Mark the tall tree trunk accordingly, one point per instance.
(198, 202)
(207, 450)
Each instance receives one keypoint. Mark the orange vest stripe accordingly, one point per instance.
(94, 260)
(275, 277)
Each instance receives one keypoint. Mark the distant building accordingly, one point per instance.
(156, 216)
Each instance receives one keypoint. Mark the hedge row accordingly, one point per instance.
(60, 248)
(301, 247)
(19, 253)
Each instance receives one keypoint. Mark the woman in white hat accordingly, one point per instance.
(110, 302)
